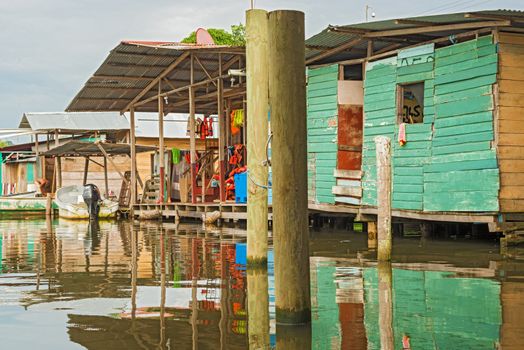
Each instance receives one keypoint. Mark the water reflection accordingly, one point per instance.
(146, 286)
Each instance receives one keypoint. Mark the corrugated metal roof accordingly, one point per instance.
(74, 121)
(132, 65)
(330, 38)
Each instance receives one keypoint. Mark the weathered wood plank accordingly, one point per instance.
(512, 205)
(463, 147)
(462, 165)
(462, 201)
(466, 74)
(347, 174)
(512, 192)
(464, 119)
(511, 38)
(511, 166)
(511, 140)
(347, 200)
(511, 126)
(510, 152)
(511, 73)
(464, 129)
(453, 140)
(511, 100)
(466, 106)
(465, 84)
(511, 60)
(347, 191)
(511, 179)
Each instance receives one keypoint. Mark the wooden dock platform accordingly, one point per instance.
(228, 211)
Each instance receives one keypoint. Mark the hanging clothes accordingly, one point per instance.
(238, 117)
(175, 155)
(402, 140)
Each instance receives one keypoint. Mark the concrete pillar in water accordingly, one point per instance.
(287, 97)
(257, 133)
(383, 149)
(385, 305)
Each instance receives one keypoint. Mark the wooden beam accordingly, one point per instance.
(118, 77)
(111, 161)
(157, 79)
(86, 170)
(192, 139)
(204, 70)
(493, 17)
(132, 142)
(340, 48)
(414, 22)
(439, 28)
(221, 136)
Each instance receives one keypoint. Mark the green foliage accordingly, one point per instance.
(237, 37)
(4, 143)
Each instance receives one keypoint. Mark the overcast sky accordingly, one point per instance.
(51, 47)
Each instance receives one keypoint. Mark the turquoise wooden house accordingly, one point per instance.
(447, 90)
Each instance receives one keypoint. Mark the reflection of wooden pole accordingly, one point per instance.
(161, 151)
(287, 87)
(294, 337)
(162, 288)
(49, 205)
(385, 305)
(134, 270)
(383, 149)
(224, 293)
(257, 133)
(258, 308)
(132, 142)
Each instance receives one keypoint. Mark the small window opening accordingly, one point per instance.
(411, 103)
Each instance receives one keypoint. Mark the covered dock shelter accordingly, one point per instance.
(171, 77)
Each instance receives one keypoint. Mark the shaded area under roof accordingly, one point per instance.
(336, 36)
(85, 149)
(74, 121)
(133, 66)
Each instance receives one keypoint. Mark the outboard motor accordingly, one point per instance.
(92, 199)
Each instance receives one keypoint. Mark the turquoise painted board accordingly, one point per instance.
(455, 137)
(30, 173)
(322, 119)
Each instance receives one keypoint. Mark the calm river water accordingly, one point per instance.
(65, 285)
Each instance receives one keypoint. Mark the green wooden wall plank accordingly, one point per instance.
(462, 147)
(465, 85)
(464, 129)
(464, 165)
(456, 65)
(455, 177)
(459, 95)
(466, 106)
(322, 92)
(415, 68)
(408, 179)
(461, 201)
(411, 78)
(467, 74)
(408, 188)
(454, 140)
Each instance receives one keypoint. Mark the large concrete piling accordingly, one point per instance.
(287, 96)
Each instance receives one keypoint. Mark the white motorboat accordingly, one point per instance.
(71, 204)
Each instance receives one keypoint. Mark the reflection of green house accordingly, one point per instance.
(436, 310)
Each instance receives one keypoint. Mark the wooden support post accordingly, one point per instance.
(161, 151)
(58, 164)
(111, 161)
(106, 180)
(86, 170)
(385, 305)
(257, 212)
(49, 205)
(192, 139)
(38, 160)
(383, 152)
(287, 90)
(257, 134)
(132, 142)
(222, 142)
(372, 235)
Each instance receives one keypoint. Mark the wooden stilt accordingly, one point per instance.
(383, 151)
(58, 164)
(222, 142)
(287, 89)
(132, 142)
(257, 134)
(106, 180)
(192, 139)
(372, 235)
(161, 151)
(86, 170)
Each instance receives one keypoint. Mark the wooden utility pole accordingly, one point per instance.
(287, 97)
(222, 135)
(257, 67)
(161, 152)
(132, 142)
(383, 149)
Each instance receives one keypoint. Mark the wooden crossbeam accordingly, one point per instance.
(120, 77)
(439, 28)
(414, 22)
(156, 80)
(335, 50)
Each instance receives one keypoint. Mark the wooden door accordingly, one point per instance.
(349, 155)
